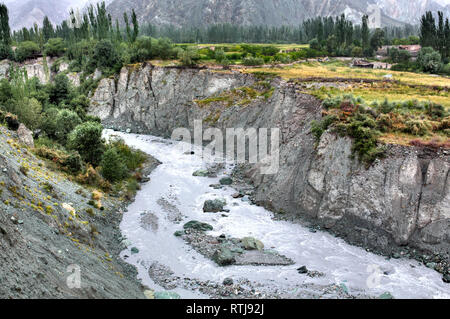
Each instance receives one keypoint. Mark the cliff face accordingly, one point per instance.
(403, 199)
(39, 68)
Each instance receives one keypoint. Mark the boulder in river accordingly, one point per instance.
(214, 206)
(200, 173)
(302, 270)
(250, 243)
(228, 282)
(193, 224)
(226, 181)
(224, 256)
(446, 278)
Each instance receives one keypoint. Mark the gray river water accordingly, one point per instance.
(172, 182)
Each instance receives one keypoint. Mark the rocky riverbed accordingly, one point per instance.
(171, 257)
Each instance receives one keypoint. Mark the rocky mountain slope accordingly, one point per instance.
(199, 12)
(50, 236)
(403, 199)
(25, 13)
(245, 12)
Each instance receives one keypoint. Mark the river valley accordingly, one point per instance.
(173, 197)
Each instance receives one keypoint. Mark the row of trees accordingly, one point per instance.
(319, 28)
(435, 35)
(95, 23)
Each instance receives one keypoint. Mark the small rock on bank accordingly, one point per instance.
(214, 206)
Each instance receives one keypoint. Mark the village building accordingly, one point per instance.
(412, 49)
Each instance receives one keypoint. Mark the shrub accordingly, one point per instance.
(26, 50)
(106, 56)
(92, 178)
(362, 128)
(28, 111)
(189, 56)
(113, 168)
(65, 122)
(60, 90)
(417, 127)
(429, 60)
(319, 127)
(49, 121)
(133, 159)
(73, 162)
(446, 69)
(55, 47)
(86, 138)
(6, 52)
(384, 122)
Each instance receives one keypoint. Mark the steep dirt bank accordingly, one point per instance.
(402, 200)
(49, 232)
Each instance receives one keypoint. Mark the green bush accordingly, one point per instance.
(429, 60)
(26, 50)
(319, 127)
(65, 122)
(113, 168)
(105, 56)
(251, 61)
(446, 69)
(189, 56)
(86, 138)
(73, 162)
(417, 127)
(59, 90)
(28, 111)
(362, 128)
(6, 52)
(55, 47)
(133, 159)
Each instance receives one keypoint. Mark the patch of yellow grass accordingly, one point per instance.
(316, 69)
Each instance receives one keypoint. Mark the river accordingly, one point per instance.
(172, 184)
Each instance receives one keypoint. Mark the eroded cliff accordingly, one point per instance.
(401, 200)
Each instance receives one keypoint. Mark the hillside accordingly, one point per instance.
(247, 12)
(48, 230)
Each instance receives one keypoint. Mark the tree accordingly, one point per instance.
(377, 39)
(315, 45)
(113, 168)
(135, 27)
(26, 50)
(127, 26)
(28, 110)
(365, 33)
(65, 122)
(188, 56)
(55, 47)
(429, 60)
(86, 138)
(105, 54)
(5, 31)
(428, 30)
(47, 29)
(5, 52)
(59, 91)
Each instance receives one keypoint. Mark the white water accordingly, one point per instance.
(340, 262)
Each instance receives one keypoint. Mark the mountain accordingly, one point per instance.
(24, 13)
(273, 12)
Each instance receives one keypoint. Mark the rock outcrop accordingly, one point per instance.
(403, 199)
(40, 69)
